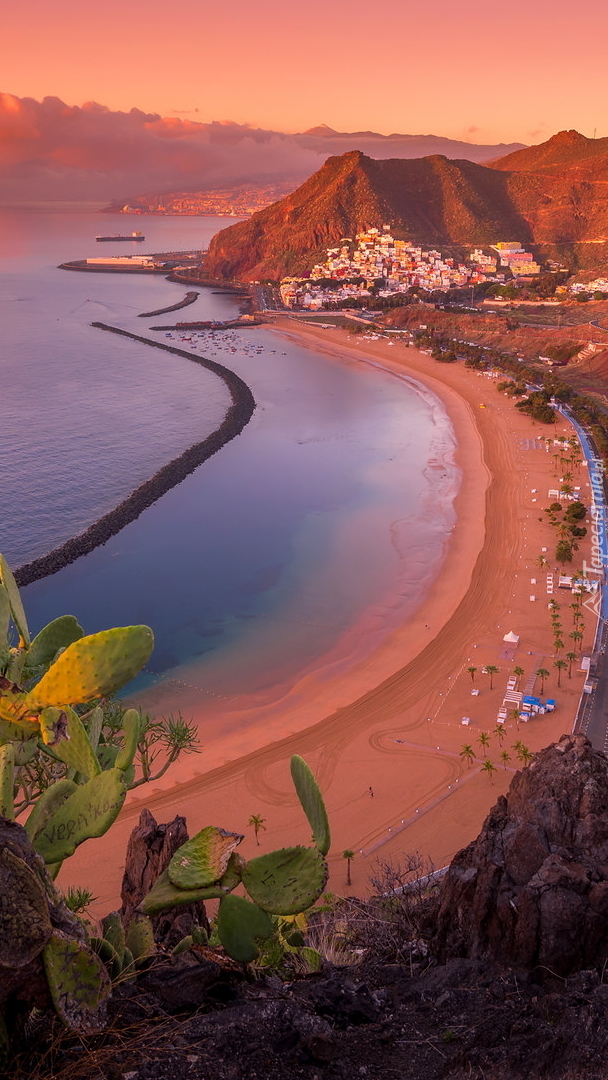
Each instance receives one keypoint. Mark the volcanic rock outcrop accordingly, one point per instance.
(532, 889)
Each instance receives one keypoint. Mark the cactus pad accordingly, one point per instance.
(312, 802)
(132, 726)
(47, 805)
(239, 923)
(88, 812)
(286, 881)
(113, 931)
(5, 614)
(25, 925)
(140, 937)
(57, 635)
(14, 599)
(7, 781)
(78, 981)
(17, 730)
(202, 860)
(92, 667)
(75, 750)
(164, 895)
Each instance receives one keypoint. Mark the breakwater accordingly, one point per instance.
(237, 417)
(189, 298)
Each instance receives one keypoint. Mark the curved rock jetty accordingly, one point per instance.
(236, 418)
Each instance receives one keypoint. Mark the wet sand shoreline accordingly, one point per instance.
(392, 722)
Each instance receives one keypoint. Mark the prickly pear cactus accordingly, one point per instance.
(75, 749)
(202, 860)
(140, 937)
(164, 895)
(131, 723)
(87, 812)
(48, 804)
(312, 802)
(14, 599)
(92, 667)
(7, 780)
(78, 982)
(57, 635)
(25, 925)
(239, 924)
(286, 881)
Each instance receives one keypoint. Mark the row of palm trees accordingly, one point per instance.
(522, 752)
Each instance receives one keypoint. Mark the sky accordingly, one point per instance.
(473, 70)
(102, 97)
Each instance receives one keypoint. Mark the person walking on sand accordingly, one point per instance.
(371, 792)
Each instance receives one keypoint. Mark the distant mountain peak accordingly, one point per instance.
(568, 138)
(320, 129)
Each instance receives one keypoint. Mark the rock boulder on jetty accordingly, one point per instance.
(532, 889)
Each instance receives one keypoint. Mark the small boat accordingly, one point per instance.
(120, 236)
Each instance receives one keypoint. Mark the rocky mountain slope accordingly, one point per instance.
(554, 197)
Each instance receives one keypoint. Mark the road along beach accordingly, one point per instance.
(392, 721)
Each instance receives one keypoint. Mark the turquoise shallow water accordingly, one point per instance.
(336, 497)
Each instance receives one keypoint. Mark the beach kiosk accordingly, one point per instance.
(511, 638)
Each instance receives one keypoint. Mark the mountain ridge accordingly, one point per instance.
(559, 204)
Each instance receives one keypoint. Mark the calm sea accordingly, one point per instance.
(335, 499)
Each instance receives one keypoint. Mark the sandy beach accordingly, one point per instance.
(391, 723)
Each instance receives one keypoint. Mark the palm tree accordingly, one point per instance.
(514, 714)
(489, 768)
(484, 741)
(577, 636)
(257, 822)
(471, 670)
(570, 657)
(560, 665)
(523, 752)
(541, 561)
(558, 644)
(491, 670)
(468, 754)
(505, 756)
(499, 731)
(349, 856)
(519, 671)
(526, 755)
(542, 674)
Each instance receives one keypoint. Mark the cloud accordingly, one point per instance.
(53, 151)
(50, 150)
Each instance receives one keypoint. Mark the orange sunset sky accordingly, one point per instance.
(481, 72)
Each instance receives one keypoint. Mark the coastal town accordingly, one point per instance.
(377, 264)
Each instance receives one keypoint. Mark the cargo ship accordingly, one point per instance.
(120, 236)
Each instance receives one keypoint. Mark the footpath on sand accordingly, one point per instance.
(394, 721)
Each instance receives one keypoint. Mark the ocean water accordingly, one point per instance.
(336, 498)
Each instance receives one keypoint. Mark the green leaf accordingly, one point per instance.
(311, 799)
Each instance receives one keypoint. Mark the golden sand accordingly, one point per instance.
(392, 722)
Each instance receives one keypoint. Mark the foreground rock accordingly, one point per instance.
(532, 890)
